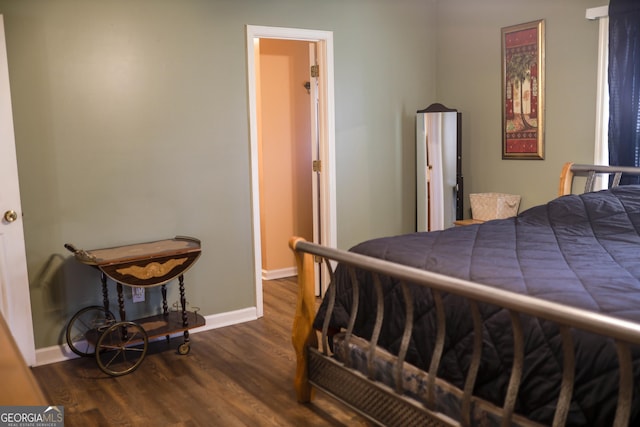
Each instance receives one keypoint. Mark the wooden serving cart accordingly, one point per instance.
(120, 346)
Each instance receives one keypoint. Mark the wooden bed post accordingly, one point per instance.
(566, 179)
(303, 334)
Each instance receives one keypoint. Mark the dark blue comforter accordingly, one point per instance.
(581, 250)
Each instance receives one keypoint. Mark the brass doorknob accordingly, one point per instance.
(10, 216)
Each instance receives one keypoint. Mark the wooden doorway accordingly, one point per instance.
(325, 190)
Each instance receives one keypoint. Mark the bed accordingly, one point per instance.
(531, 320)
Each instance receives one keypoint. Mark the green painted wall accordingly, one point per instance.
(131, 124)
(468, 78)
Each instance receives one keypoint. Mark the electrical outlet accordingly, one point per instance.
(137, 294)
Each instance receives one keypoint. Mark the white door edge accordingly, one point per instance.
(314, 121)
(15, 302)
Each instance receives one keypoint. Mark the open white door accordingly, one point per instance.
(317, 163)
(326, 153)
(15, 303)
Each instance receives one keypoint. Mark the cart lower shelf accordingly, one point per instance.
(155, 326)
(161, 325)
(120, 347)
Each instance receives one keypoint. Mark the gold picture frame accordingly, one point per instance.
(523, 91)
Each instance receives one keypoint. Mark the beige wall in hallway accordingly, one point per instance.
(285, 147)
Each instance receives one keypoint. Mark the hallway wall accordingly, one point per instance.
(285, 151)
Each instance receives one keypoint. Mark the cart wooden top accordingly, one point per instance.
(139, 251)
(143, 264)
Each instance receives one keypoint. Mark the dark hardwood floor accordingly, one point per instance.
(240, 375)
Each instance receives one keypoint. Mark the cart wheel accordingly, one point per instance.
(184, 348)
(85, 327)
(121, 348)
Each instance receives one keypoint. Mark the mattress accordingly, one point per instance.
(579, 250)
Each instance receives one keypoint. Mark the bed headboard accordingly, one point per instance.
(571, 170)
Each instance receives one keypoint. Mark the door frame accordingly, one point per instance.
(326, 128)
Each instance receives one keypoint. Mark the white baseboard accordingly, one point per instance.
(279, 274)
(59, 353)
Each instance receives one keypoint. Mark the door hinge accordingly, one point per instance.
(317, 166)
(315, 71)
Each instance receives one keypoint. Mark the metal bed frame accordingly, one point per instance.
(316, 368)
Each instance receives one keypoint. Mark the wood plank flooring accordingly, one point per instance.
(240, 375)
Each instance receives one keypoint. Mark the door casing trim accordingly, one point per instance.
(326, 125)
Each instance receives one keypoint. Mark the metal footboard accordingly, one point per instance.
(318, 364)
(373, 400)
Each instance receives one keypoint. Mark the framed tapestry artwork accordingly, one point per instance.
(523, 91)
